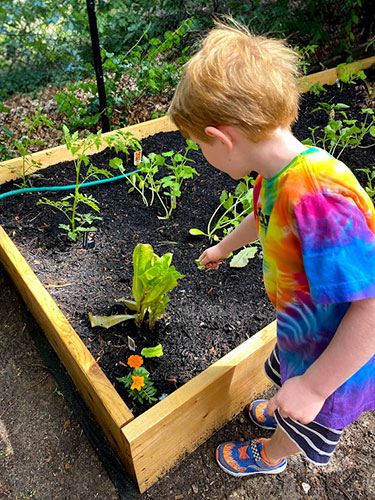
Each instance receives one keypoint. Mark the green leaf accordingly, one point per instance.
(153, 278)
(130, 304)
(108, 321)
(143, 258)
(115, 163)
(152, 352)
(200, 267)
(340, 106)
(242, 258)
(196, 232)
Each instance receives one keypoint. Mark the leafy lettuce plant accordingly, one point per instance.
(153, 278)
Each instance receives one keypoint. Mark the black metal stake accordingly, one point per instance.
(98, 64)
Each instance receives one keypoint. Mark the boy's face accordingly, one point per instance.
(230, 161)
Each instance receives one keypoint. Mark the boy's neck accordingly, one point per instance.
(276, 152)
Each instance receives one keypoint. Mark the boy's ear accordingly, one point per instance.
(221, 134)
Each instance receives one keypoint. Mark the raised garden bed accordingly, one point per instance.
(154, 441)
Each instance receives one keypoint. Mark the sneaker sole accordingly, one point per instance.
(243, 474)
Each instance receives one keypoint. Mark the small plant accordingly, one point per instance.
(317, 89)
(339, 134)
(235, 207)
(171, 184)
(22, 148)
(305, 54)
(349, 74)
(153, 278)
(79, 222)
(140, 386)
(148, 185)
(370, 187)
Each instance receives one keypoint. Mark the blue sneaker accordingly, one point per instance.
(246, 458)
(257, 412)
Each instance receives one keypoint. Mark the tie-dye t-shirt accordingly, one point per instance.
(316, 225)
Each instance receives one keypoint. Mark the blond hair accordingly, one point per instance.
(238, 79)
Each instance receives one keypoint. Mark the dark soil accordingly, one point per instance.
(209, 313)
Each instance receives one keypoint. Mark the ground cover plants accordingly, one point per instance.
(209, 313)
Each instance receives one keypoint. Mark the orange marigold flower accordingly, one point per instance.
(135, 361)
(138, 382)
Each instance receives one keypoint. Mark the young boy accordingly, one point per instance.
(237, 99)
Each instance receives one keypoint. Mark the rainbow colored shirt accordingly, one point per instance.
(317, 229)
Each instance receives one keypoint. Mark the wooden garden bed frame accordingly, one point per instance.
(155, 441)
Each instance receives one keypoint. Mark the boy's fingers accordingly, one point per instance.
(271, 407)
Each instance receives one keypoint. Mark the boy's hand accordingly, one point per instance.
(212, 257)
(295, 399)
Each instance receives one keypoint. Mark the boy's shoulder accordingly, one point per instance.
(313, 174)
(316, 171)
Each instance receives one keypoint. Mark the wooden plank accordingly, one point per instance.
(177, 425)
(330, 76)
(99, 394)
(61, 153)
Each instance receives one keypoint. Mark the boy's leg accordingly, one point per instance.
(279, 446)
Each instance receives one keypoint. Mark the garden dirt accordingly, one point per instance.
(46, 455)
(209, 313)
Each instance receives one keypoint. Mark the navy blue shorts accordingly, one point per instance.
(316, 441)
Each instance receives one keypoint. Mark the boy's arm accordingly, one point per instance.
(352, 346)
(244, 234)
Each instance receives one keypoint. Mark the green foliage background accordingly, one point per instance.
(48, 41)
(144, 44)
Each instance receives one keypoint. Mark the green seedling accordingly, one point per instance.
(350, 74)
(78, 223)
(149, 186)
(153, 278)
(152, 352)
(340, 134)
(180, 170)
(198, 264)
(233, 208)
(370, 186)
(241, 259)
(22, 147)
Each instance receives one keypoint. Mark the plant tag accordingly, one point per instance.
(137, 157)
(89, 239)
(131, 343)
